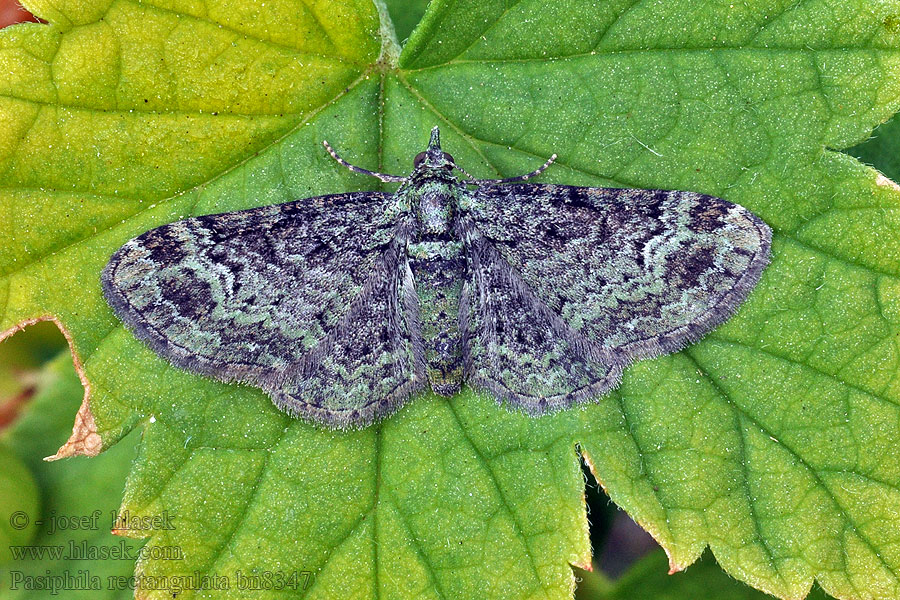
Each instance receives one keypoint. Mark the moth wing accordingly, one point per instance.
(247, 295)
(630, 273)
(516, 347)
(368, 365)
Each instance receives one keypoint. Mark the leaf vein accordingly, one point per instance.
(263, 41)
(501, 496)
(417, 546)
(851, 523)
(490, 26)
(453, 126)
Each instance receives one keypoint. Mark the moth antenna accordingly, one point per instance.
(524, 177)
(466, 173)
(382, 176)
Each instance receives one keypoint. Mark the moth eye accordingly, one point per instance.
(449, 158)
(418, 160)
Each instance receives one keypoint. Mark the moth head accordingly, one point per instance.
(434, 157)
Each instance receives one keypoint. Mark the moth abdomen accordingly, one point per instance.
(439, 268)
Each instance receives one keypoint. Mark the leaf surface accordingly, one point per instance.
(771, 441)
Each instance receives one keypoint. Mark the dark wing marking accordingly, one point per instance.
(516, 347)
(634, 273)
(246, 295)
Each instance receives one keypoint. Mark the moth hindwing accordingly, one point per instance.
(341, 307)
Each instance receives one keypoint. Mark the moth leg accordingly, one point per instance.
(382, 176)
(524, 177)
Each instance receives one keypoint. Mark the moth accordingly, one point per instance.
(342, 307)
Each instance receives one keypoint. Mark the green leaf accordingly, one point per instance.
(648, 580)
(79, 498)
(772, 441)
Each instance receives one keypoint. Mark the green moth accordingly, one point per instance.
(342, 307)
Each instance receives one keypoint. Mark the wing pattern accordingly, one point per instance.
(263, 295)
(518, 348)
(369, 364)
(618, 274)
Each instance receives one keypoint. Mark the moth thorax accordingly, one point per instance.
(435, 211)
